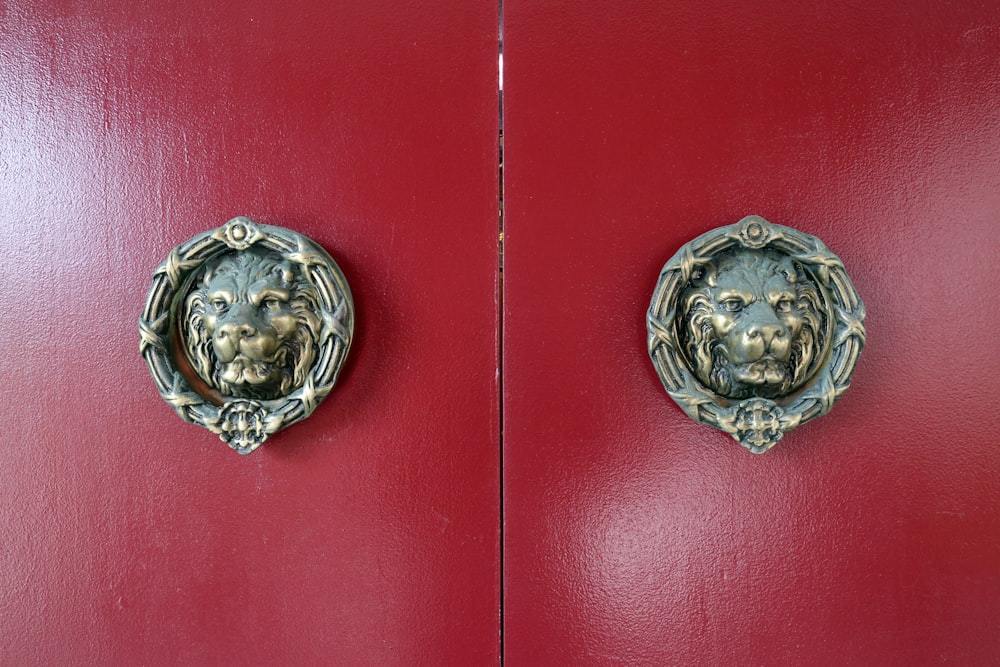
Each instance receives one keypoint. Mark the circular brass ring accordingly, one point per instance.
(688, 339)
(273, 279)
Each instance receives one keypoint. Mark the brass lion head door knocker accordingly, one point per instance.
(755, 328)
(245, 330)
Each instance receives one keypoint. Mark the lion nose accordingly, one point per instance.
(767, 331)
(237, 330)
(764, 325)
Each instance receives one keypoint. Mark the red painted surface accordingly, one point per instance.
(632, 534)
(368, 534)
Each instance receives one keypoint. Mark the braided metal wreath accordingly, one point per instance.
(756, 421)
(242, 422)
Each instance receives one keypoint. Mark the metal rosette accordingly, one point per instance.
(757, 423)
(244, 424)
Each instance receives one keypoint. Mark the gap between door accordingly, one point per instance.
(500, 318)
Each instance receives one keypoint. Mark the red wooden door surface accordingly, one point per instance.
(368, 534)
(636, 536)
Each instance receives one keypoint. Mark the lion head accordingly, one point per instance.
(251, 326)
(752, 325)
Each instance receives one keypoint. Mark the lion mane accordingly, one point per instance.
(708, 353)
(296, 352)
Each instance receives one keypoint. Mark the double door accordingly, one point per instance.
(499, 473)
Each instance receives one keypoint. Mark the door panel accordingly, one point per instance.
(634, 535)
(368, 534)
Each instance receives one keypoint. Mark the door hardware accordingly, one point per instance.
(245, 330)
(755, 328)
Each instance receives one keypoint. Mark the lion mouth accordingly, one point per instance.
(246, 370)
(766, 370)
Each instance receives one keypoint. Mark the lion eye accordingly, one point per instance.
(784, 306)
(271, 303)
(732, 305)
(220, 304)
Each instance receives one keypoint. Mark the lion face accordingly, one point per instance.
(251, 327)
(752, 325)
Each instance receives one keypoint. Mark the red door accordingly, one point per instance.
(368, 534)
(634, 535)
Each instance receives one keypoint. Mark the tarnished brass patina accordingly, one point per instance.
(755, 328)
(245, 330)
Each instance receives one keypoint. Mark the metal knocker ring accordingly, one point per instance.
(755, 329)
(245, 330)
